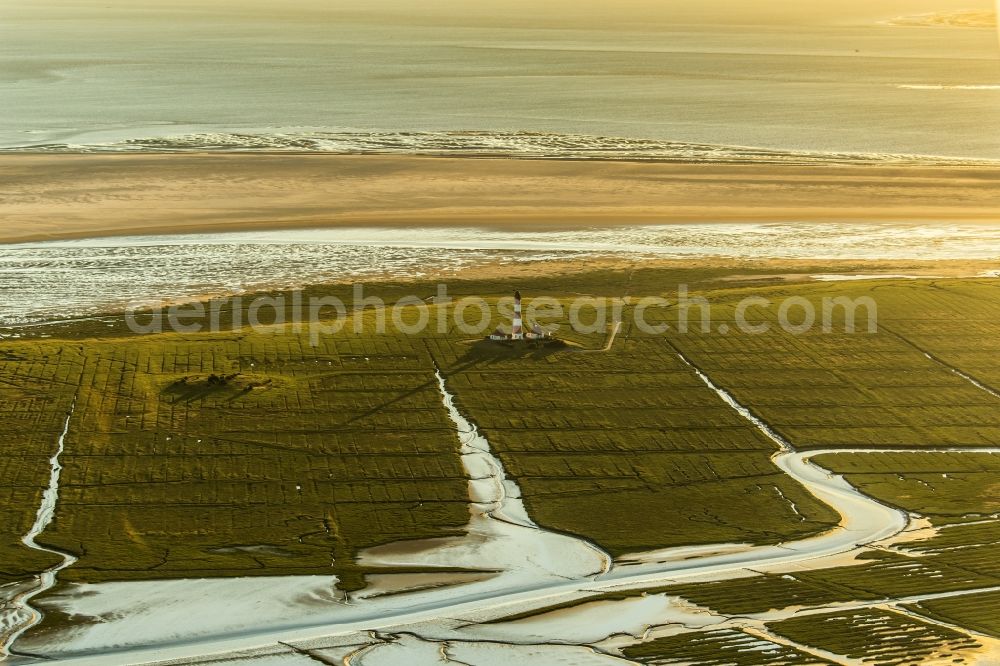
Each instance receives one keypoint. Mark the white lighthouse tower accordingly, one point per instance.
(518, 331)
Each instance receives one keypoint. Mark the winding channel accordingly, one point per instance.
(863, 521)
(21, 615)
(497, 497)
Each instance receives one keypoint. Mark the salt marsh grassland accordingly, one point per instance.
(337, 478)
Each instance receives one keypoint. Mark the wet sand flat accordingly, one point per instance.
(72, 196)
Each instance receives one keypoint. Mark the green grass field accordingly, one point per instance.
(878, 636)
(301, 456)
(720, 647)
(312, 453)
(624, 448)
(975, 611)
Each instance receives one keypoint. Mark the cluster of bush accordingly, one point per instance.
(213, 379)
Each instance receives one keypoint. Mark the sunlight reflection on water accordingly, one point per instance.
(80, 277)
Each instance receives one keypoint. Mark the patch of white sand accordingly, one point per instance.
(410, 649)
(680, 553)
(918, 529)
(148, 612)
(595, 621)
(380, 585)
(499, 654)
(288, 658)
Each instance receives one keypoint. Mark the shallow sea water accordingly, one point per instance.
(84, 277)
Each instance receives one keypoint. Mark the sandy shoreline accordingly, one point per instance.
(45, 197)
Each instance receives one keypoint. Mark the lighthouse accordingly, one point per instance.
(533, 332)
(517, 333)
